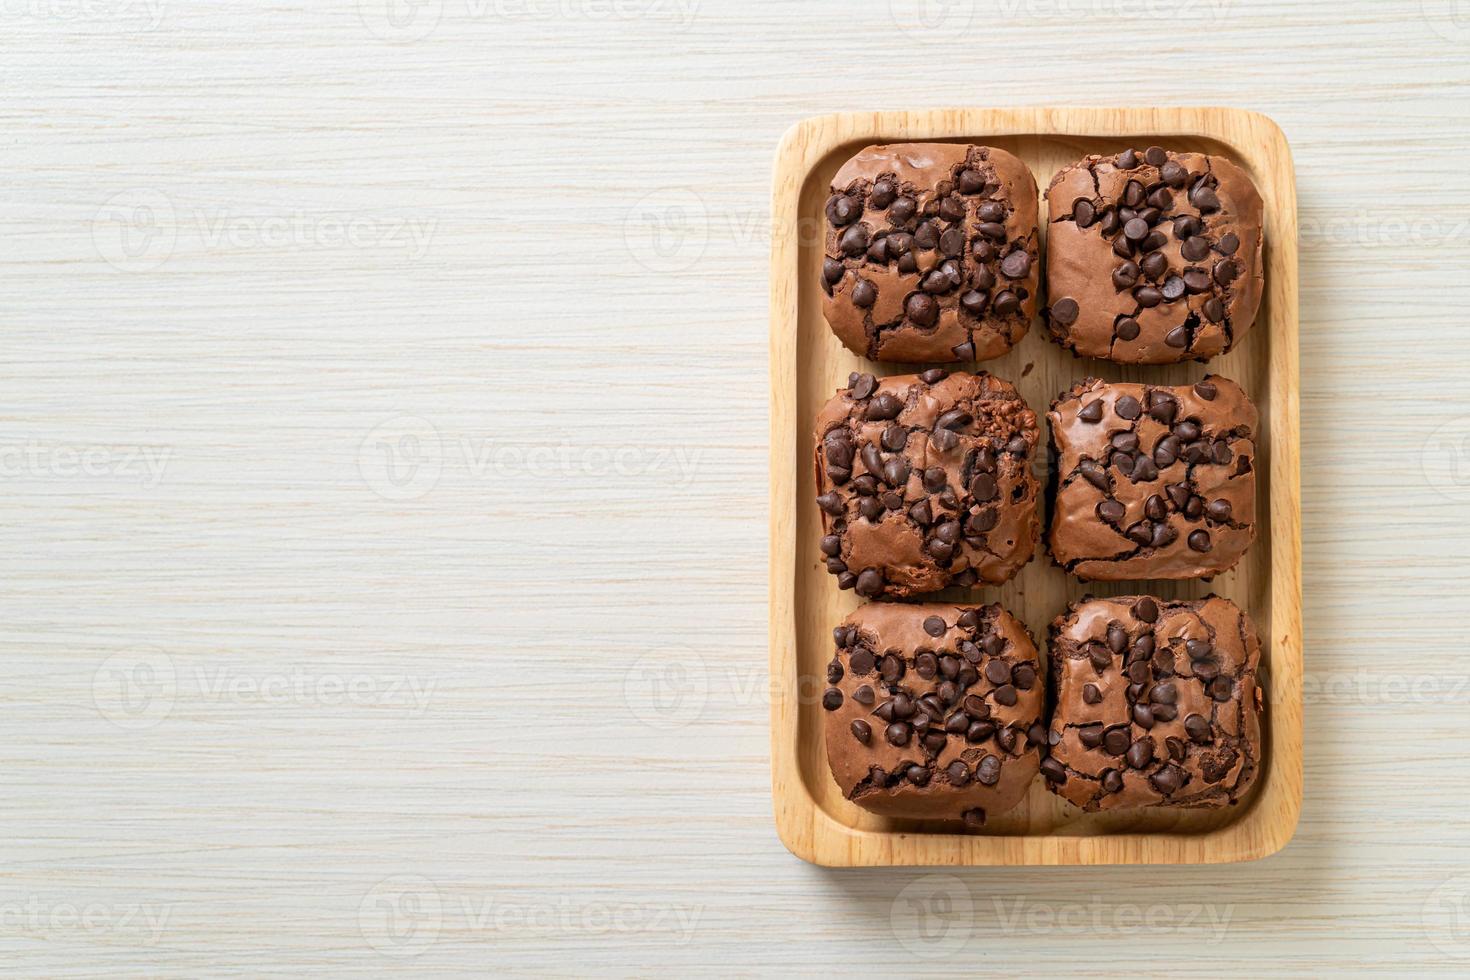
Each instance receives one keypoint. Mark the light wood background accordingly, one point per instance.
(435, 637)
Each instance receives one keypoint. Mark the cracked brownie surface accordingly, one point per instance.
(1152, 481)
(934, 710)
(1157, 703)
(931, 252)
(1152, 257)
(925, 481)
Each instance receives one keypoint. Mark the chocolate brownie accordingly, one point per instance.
(925, 481)
(1152, 481)
(931, 252)
(934, 710)
(1152, 257)
(1157, 703)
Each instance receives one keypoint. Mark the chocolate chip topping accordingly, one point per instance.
(1132, 727)
(1152, 481)
(925, 481)
(931, 252)
(1158, 256)
(960, 711)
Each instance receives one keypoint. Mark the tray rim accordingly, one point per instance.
(803, 827)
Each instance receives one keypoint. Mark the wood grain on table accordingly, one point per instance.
(383, 425)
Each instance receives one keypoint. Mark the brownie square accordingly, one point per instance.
(1152, 258)
(934, 710)
(931, 252)
(1152, 481)
(1157, 703)
(925, 481)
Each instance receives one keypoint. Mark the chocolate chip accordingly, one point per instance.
(1143, 717)
(1196, 281)
(993, 230)
(987, 773)
(1146, 610)
(1167, 779)
(1091, 412)
(1164, 692)
(1141, 753)
(958, 773)
(1178, 337)
(1228, 243)
(1173, 288)
(1007, 303)
(934, 626)
(1065, 311)
(1127, 407)
(1173, 174)
(870, 583)
(897, 734)
(1194, 248)
(854, 241)
(832, 271)
(1015, 265)
(922, 309)
(1134, 229)
(1128, 159)
(1116, 741)
(1126, 328)
(1091, 694)
(1148, 297)
(1154, 265)
(864, 294)
(843, 210)
(832, 699)
(1197, 727)
(983, 488)
(1200, 541)
(1111, 511)
(1203, 197)
(1083, 212)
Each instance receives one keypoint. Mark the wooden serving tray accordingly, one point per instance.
(808, 365)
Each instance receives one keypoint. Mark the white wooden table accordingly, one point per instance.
(383, 442)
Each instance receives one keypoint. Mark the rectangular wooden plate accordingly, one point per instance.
(808, 364)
